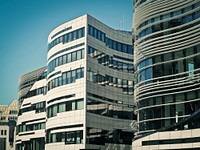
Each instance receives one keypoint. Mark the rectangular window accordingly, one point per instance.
(55, 110)
(74, 35)
(59, 81)
(80, 105)
(69, 57)
(82, 72)
(125, 48)
(70, 138)
(73, 77)
(56, 62)
(62, 107)
(78, 54)
(64, 78)
(74, 105)
(60, 61)
(114, 45)
(64, 59)
(42, 125)
(78, 73)
(65, 39)
(130, 49)
(79, 33)
(82, 54)
(110, 43)
(95, 33)
(69, 106)
(99, 35)
(69, 37)
(82, 32)
(73, 56)
(56, 82)
(68, 77)
(91, 30)
(119, 47)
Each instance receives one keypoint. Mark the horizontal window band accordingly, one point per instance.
(65, 127)
(59, 98)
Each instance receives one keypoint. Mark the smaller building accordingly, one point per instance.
(8, 117)
(30, 130)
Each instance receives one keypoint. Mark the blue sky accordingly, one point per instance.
(25, 25)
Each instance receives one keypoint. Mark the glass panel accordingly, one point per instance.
(64, 59)
(78, 54)
(55, 110)
(62, 107)
(168, 56)
(69, 58)
(69, 37)
(73, 77)
(80, 105)
(69, 106)
(68, 74)
(78, 73)
(64, 77)
(60, 61)
(74, 56)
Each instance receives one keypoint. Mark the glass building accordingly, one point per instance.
(167, 62)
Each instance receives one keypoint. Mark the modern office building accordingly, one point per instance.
(167, 68)
(90, 86)
(8, 117)
(84, 99)
(30, 133)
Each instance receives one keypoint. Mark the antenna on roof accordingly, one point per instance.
(121, 25)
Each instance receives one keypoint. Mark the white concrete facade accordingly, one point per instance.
(82, 126)
(88, 90)
(32, 115)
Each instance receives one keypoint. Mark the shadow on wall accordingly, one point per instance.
(118, 147)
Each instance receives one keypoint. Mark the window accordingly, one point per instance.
(79, 54)
(78, 73)
(80, 105)
(74, 107)
(74, 56)
(55, 110)
(60, 62)
(73, 77)
(69, 37)
(68, 74)
(66, 78)
(69, 106)
(111, 43)
(69, 58)
(62, 107)
(40, 107)
(65, 106)
(70, 138)
(64, 59)
(73, 137)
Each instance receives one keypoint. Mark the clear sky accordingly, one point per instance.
(25, 25)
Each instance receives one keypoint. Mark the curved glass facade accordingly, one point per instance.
(167, 61)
